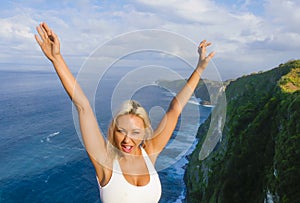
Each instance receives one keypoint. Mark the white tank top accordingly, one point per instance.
(119, 190)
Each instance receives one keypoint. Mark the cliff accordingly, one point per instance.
(206, 90)
(257, 158)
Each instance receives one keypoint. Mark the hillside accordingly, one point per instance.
(258, 157)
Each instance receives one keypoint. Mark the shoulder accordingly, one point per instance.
(150, 151)
(103, 171)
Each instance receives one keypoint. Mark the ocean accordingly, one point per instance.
(42, 158)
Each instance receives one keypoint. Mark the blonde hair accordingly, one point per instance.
(133, 108)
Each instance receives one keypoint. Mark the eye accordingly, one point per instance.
(122, 131)
(136, 133)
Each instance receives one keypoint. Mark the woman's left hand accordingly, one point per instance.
(203, 59)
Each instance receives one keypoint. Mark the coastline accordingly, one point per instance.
(182, 197)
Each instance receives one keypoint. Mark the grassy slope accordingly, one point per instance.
(261, 142)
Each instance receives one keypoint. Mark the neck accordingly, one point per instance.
(132, 157)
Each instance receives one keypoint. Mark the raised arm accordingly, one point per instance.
(168, 123)
(94, 141)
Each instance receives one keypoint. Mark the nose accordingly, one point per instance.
(126, 139)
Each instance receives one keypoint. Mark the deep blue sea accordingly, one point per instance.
(41, 156)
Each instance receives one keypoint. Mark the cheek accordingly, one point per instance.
(118, 137)
(138, 139)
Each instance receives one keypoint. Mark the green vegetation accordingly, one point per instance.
(290, 82)
(260, 150)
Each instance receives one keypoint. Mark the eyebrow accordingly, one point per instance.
(135, 129)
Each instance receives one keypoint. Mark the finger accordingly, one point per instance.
(53, 37)
(38, 40)
(41, 33)
(206, 44)
(47, 29)
(210, 55)
(43, 29)
(202, 43)
(50, 36)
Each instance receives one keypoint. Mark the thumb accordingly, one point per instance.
(211, 55)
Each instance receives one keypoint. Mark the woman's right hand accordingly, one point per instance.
(48, 41)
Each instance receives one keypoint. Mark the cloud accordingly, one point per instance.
(284, 13)
(206, 18)
(238, 32)
(16, 37)
(191, 10)
(242, 33)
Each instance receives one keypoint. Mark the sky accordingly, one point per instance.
(247, 35)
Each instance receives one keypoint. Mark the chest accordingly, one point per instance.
(136, 173)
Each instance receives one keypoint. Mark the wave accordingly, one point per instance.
(208, 105)
(194, 102)
(169, 94)
(50, 136)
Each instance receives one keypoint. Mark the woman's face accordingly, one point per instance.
(129, 133)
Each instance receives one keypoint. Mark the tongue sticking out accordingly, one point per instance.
(127, 148)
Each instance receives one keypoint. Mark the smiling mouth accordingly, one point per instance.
(127, 148)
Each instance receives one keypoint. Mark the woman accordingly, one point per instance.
(124, 163)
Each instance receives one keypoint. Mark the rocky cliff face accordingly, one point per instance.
(258, 157)
(206, 90)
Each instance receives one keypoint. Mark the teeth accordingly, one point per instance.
(127, 148)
